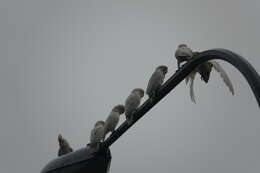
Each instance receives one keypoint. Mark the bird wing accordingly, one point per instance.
(155, 81)
(192, 95)
(99, 133)
(187, 79)
(111, 122)
(223, 75)
(131, 104)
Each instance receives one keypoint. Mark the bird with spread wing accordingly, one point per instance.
(185, 54)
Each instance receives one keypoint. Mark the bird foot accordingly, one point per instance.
(131, 119)
(133, 114)
(154, 96)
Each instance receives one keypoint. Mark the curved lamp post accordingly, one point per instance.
(86, 160)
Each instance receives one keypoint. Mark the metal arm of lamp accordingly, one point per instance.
(85, 160)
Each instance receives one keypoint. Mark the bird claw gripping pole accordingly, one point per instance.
(84, 160)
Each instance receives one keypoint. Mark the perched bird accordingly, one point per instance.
(113, 119)
(156, 81)
(64, 146)
(205, 70)
(132, 103)
(97, 133)
(183, 53)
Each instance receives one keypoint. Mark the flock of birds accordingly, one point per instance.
(132, 102)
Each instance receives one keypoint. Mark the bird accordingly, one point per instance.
(204, 70)
(97, 133)
(132, 103)
(64, 146)
(183, 53)
(113, 119)
(155, 81)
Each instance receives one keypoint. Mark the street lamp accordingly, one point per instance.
(86, 160)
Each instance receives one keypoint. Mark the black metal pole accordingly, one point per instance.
(236, 60)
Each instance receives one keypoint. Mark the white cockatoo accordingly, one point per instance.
(64, 147)
(132, 103)
(156, 80)
(113, 119)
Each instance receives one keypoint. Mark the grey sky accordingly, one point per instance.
(65, 64)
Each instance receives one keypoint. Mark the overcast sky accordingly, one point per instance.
(65, 64)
